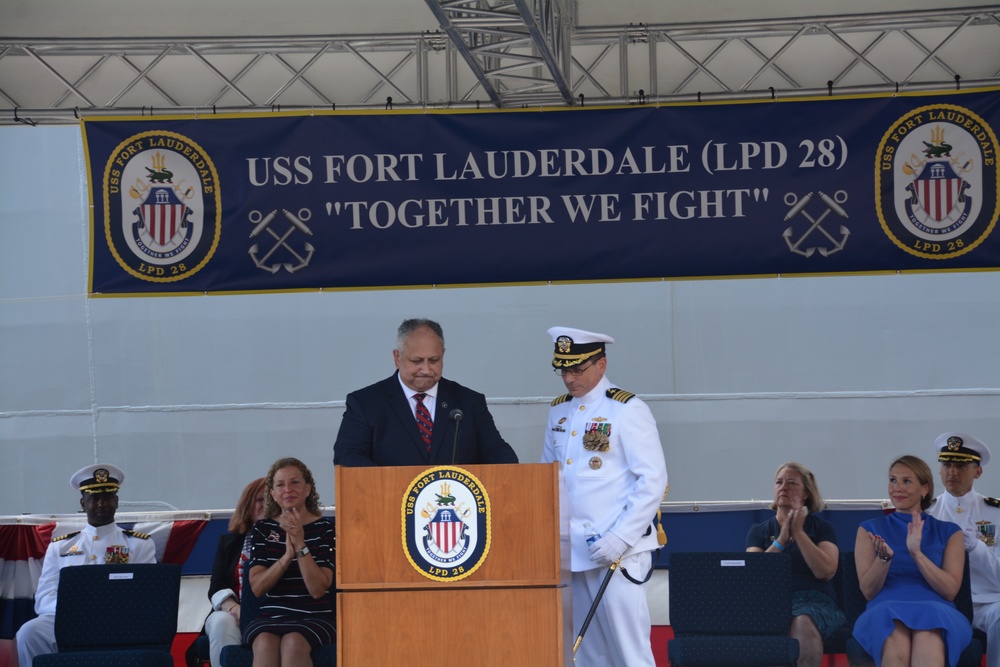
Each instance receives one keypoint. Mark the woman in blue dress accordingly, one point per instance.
(910, 569)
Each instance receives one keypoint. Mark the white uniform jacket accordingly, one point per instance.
(618, 489)
(982, 514)
(91, 546)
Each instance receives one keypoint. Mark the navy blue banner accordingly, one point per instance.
(343, 200)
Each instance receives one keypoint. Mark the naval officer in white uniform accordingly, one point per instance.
(100, 542)
(962, 457)
(609, 451)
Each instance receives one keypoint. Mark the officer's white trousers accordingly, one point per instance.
(618, 635)
(986, 617)
(36, 637)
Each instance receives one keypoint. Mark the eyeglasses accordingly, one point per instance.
(575, 372)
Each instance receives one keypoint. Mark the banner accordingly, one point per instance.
(342, 200)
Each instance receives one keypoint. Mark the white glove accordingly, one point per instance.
(970, 537)
(608, 549)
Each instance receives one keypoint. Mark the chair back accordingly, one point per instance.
(846, 574)
(963, 600)
(852, 600)
(249, 603)
(730, 593)
(127, 606)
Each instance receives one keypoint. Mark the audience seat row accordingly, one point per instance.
(733, 609)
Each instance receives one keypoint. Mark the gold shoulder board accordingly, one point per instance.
(992, 502)
(136, 534)
(561, 399)
(620, 395)
(65, 537)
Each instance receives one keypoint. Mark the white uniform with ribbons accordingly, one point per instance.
(981, 514)
(616, 483)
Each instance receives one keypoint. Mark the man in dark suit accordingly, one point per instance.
(410, 418)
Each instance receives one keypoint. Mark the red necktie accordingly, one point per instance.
(424, 423)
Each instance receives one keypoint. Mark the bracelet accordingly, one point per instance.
(883, 556)
(778, 545)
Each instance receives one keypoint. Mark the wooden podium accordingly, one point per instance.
(513, 609)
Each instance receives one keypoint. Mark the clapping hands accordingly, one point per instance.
(882, 550)
(291, 523)
(797, 518)
(792, 525)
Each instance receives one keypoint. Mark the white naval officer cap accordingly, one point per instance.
(574, 346)
(961, 448)
(98, 478)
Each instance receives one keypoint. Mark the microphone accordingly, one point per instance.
(455, 416)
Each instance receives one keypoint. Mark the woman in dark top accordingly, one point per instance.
(291, 571)
(811, 543)
(223, 625)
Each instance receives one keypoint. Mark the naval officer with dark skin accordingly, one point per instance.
(410, 418)
(100, 542)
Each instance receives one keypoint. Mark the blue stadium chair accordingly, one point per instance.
(242, 656)
(854, 604)
(837, 644)
(115, 615)
(730, 609)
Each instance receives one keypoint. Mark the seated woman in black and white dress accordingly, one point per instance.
(291, 570)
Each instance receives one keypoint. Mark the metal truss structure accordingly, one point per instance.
(500, 54)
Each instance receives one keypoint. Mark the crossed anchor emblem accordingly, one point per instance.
(798, 208)
(263, 223)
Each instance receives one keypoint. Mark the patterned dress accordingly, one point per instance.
(288, 607)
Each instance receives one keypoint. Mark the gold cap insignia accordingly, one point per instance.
(563, 343)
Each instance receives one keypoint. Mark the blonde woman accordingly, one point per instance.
(910, 568)
(811, 544)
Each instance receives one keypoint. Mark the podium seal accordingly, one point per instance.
(446, 523)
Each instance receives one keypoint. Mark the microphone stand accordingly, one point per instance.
(456, 417)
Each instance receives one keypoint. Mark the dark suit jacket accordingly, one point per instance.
(379, 429)
(227, 556)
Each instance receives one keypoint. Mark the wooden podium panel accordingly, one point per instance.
(524, 549)
(494, 627)
(512, 609)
